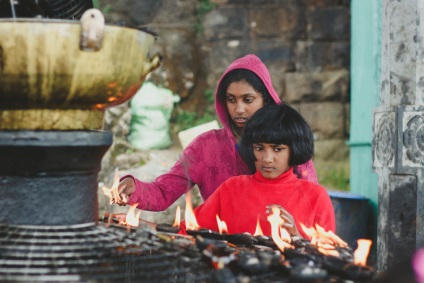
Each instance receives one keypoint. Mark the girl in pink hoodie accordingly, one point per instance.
(213, 157)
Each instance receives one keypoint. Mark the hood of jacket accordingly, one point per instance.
(250, 62)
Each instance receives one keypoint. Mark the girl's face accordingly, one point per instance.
(272, 160)
(242, 102)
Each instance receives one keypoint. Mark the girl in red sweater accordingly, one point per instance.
(275, 140)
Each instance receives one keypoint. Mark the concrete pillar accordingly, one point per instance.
(398, 133)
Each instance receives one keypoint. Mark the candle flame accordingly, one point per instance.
(222, 226)
(190, 218)
(177, 217)
(285, 235)
(325, 241)
(361, 253)
(276, 221)
(319, 237)
(133, 218)
(258, 230)
(112, 193)
(310, 233)
(331, 236)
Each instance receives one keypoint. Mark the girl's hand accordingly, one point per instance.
(125, 188)
(289, 223)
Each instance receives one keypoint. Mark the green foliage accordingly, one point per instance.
(96, 4)
(335, 179)
(210, 98)
(104, 10)
(203, 7)
(187, 119)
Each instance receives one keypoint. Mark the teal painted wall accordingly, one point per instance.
(365, 93)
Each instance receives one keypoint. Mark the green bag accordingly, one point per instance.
(151, 109)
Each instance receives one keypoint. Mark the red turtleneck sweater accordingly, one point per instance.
(239, 201)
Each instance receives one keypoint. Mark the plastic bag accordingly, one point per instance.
(151, 109)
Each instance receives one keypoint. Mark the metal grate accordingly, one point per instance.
(54, 9)
(69, 9)
(93, 253)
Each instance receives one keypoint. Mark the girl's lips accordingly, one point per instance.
(267, 168)
(240, 121)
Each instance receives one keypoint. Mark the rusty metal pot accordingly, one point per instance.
(48, 83)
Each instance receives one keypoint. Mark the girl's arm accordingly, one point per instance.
(159, 194)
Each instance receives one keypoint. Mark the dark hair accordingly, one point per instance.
(238, 75)
(278, 124)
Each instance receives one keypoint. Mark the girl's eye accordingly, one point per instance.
(248, 100)
(230, 99)
(257, 148)
(279, 148)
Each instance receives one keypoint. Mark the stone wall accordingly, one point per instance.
(304, 43)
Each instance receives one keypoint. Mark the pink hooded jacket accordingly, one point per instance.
(210, 159)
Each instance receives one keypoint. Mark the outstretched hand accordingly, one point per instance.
(125, 188)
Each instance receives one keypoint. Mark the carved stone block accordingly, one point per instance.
(413, 139)
(384, 140)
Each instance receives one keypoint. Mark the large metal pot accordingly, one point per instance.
(48, 83)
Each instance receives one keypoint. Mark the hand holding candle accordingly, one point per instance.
(125, 188)
(289, 223)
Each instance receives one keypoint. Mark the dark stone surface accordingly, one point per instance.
(399, 207)
(178, 46)
(321, 117)
(54, 200)
(322, 56)
(138, 13)
(311, 87)
(327, 2)
(46, 153)
(50, 178)
(225, 23)
(280, 22)
(222, 52)
(328, 23)
(402, 88)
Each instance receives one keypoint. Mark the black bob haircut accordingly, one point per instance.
(278, 124)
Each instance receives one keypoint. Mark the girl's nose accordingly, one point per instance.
(267, 156)
(240, 108)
